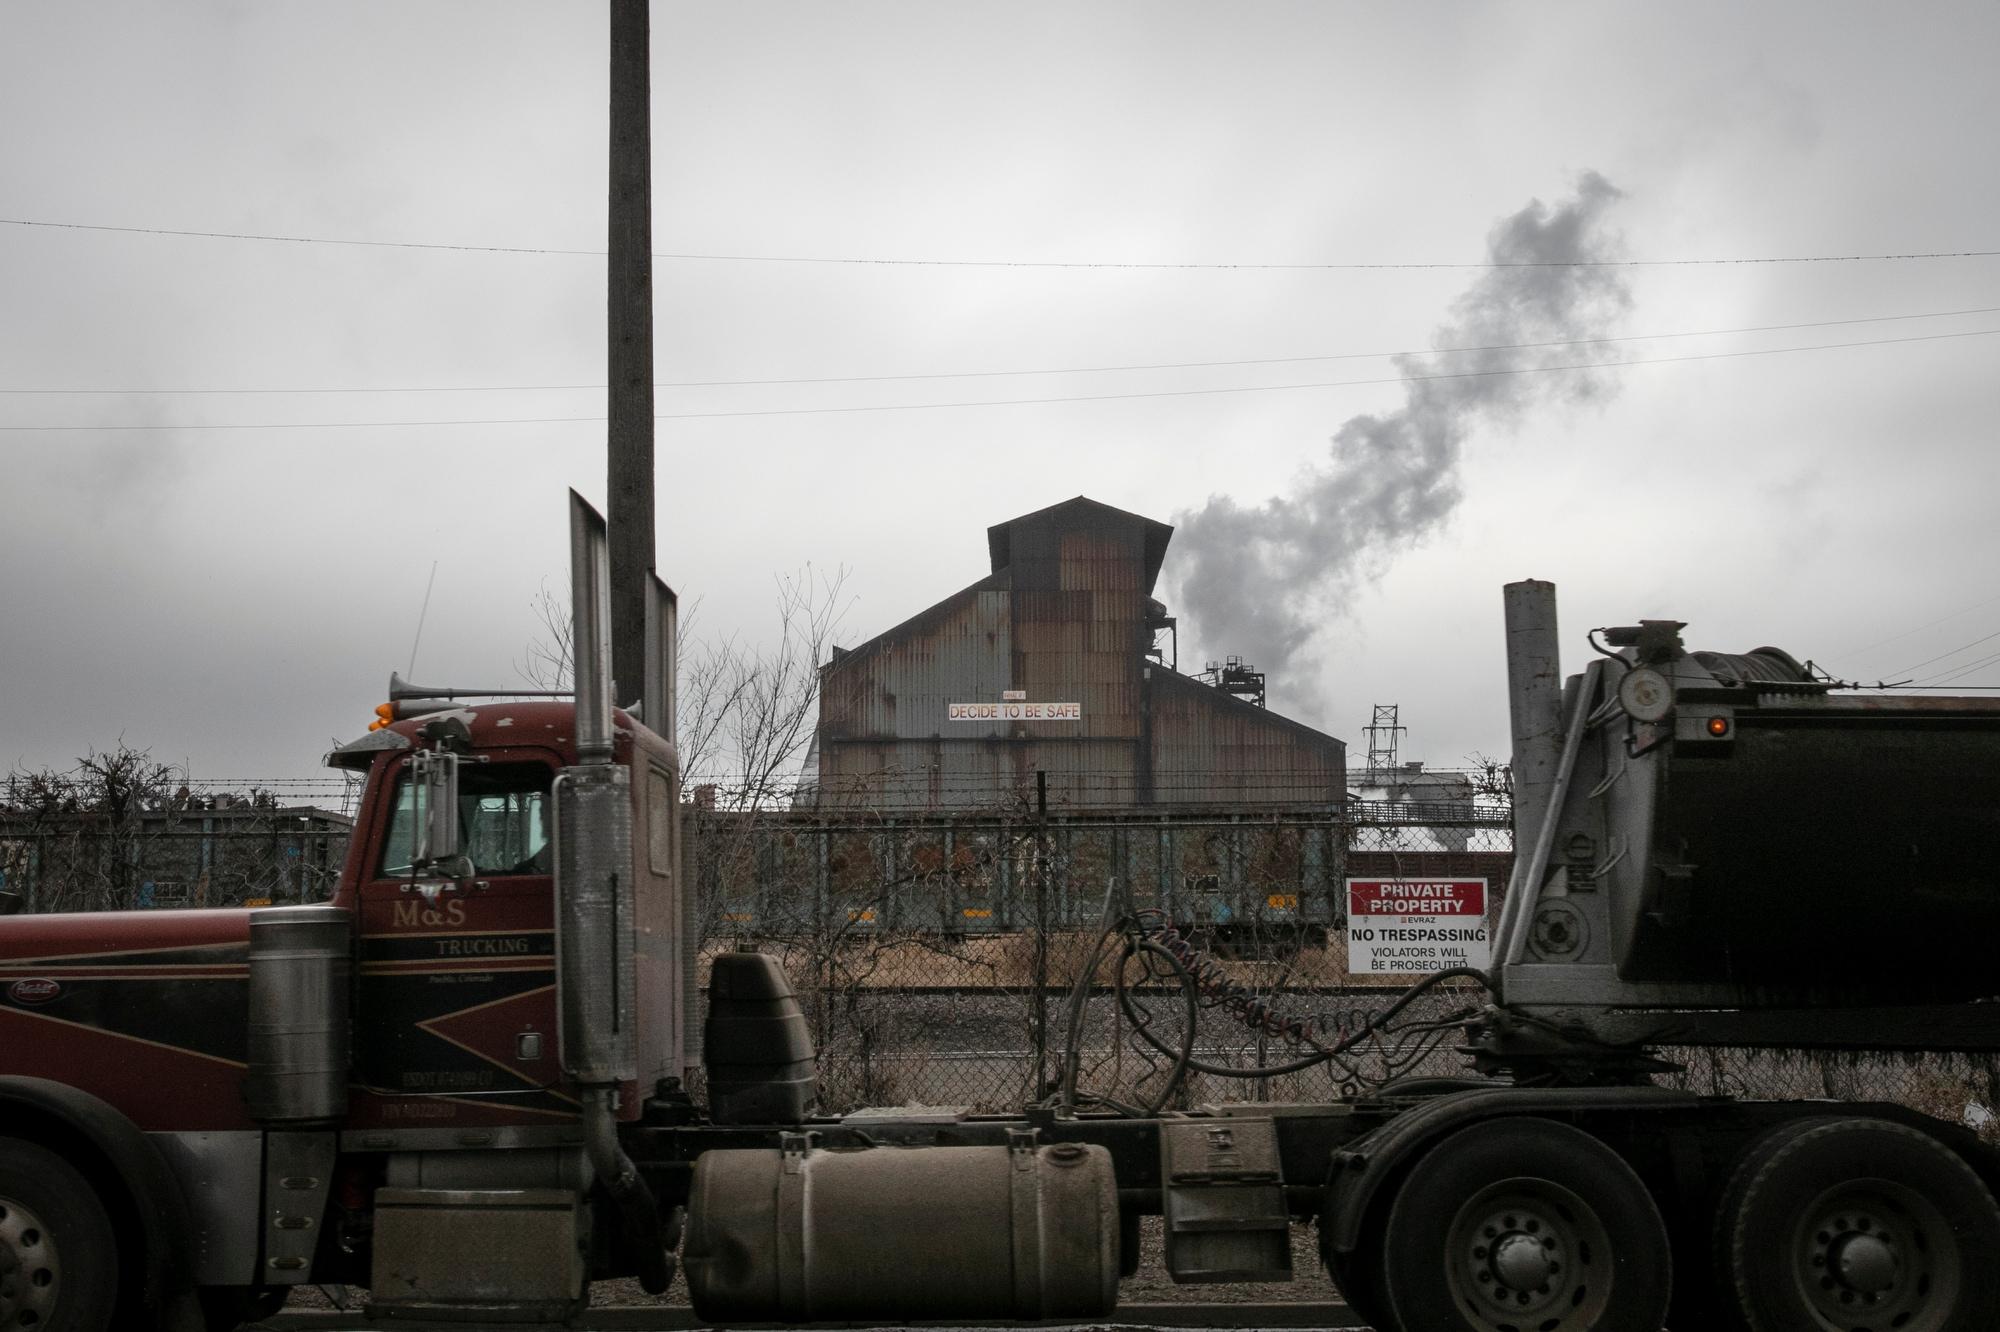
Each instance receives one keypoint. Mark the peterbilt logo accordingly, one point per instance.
(33, 991)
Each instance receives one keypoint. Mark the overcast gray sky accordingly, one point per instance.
(234, 598)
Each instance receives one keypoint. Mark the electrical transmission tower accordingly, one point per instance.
(1382, 733)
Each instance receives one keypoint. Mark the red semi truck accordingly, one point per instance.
(458, 1082)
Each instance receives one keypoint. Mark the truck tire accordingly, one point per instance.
(1845, 1223)
(1359, 1276)
(1525, 1223)
(58, 1255)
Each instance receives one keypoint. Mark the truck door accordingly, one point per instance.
(456, 999)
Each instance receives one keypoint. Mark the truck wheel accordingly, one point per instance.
(58, 1256)
(1359, 1276)
(1835, 1224)
(1524, 1224)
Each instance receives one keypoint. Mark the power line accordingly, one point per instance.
(1929, 624)
(1003, 263)
(1332, 356)
(294, 240)
(1030, 402)
(317, 425)
(991, 374)
(1340, 267)
(1330, 383)
(1908, 670)
(1943, 678)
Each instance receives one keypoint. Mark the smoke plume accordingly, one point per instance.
(1259, 581)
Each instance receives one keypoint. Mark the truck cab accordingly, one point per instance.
(416, 1085)
(455, 976)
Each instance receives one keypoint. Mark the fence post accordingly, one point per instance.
(1041, 976)
(826, 936)
(694, 909)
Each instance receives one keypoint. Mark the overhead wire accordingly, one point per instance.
(1985, 638)
(1331, 356)
(1950, 673)
(1395, 379)
(1961, 672)
(1032, 402)
(1928, 624)
(311, 425)
(993, 374)
(873, 261)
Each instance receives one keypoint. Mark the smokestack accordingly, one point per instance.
(1534, 700)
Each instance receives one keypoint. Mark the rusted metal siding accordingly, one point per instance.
(899, 685)
(1062, 618)
(1210, 747)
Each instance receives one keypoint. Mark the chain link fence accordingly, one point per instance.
(189, 856)
(963, 960)
(1960, 1088)
(960, 960)
(117, 831)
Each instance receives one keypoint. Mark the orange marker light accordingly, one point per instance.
(384, 714)
(1718, 726)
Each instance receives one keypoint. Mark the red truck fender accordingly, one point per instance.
(134, 1181)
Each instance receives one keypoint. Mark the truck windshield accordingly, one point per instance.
(503, 813)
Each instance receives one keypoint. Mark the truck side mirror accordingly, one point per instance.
(434, 779)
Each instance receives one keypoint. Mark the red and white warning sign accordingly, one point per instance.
(1416, 926)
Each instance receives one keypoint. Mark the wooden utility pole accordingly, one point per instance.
(629, 309)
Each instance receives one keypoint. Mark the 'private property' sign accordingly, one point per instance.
(1416, 926)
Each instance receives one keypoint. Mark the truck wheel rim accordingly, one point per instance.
(1529, 1253)
(1876, 1254)
(30, 1269)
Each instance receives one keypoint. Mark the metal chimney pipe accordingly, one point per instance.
(1534, 702)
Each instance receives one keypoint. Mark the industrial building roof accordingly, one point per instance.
(1081, 513)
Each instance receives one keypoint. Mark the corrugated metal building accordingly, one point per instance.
(962, 705)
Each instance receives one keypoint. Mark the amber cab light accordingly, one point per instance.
(1718, 726)
(386, 713)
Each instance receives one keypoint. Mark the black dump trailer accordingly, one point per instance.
(1713, 850)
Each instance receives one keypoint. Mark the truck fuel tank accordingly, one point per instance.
(888, 1233)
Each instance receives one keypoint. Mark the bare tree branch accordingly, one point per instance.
(747, 714)
(118, 830)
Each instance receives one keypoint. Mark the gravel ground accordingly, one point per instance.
(1150, 1285)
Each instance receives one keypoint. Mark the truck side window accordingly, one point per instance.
(503, 820)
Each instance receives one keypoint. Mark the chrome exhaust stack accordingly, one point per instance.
(595, 902)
